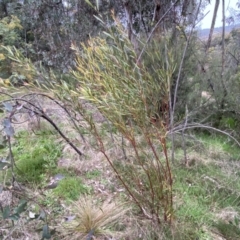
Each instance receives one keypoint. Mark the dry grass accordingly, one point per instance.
(93, 219)
(227, 214)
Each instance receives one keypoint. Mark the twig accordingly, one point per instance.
(40, 112)
(11, 158)
(197, 125)
(63, 107)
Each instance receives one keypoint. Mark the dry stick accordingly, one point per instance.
(235, 58)
(172, 108)
(11, 158)
(128, 12)
(123, 148)
(51, 122)
(40, 113)
(153, 30)
(13, 163)
(197, 125)
(63, 107)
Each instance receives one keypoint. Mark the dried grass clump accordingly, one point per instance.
(93, 219)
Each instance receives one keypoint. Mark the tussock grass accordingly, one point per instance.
(93, 219)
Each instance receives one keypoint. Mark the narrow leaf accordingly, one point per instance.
(46, 233)
(21, 207)
(14, 217)
(42, 216)
(6, 212)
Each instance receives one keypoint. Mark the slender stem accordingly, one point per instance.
(11, 158)
(172, 113)
(183, 137)
(103, 151)
(196, 125)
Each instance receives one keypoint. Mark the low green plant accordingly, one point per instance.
(129, 97)
(35, 156)
(71, 188)
(9, 31)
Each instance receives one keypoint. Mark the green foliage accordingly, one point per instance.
(15, 215)
(8, 30)
(116, 85)
(228, 122)
(128, 95)
(37, 159)
(71, 188)
(9, 36)
(221, 145)
(221, 81)
(23, 70)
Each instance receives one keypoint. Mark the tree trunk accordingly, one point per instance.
(223, 56)
(213, 24)
(157, 11)
(128, 11)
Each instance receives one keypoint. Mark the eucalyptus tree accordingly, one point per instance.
(51, 26)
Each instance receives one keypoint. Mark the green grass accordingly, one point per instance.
(222, 143)
(206, 188)
(35, 156)
(71, 188)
